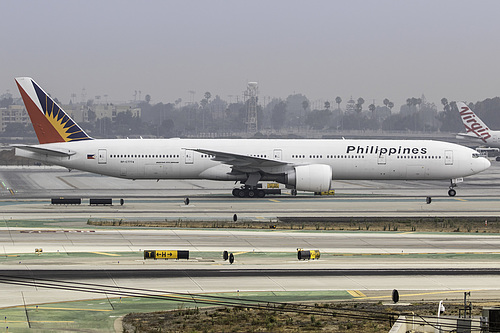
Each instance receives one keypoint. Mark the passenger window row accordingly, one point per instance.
(329, 156)
(143, 156)
(420, 156)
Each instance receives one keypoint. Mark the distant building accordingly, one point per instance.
(80, 112)
(77, 112)
(13, 114)
(110, 110)
(350, 107)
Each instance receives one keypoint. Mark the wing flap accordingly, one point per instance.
(240, 162)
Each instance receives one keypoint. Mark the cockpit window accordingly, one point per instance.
(475, 155)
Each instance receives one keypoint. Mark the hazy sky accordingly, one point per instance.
(323, 49)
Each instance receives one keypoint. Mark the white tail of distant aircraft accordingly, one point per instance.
(476, 130)
(304, 165)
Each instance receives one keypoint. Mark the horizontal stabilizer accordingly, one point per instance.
(46, 151)
(468, 136)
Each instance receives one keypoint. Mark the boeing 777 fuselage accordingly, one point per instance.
(307, 165)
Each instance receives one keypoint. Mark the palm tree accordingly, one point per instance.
(359, 105)
(418, 101)
(208, 95)
(327, 105)
(338, 100)
(305, 105)
(371, 107)
(409, 102)
(386, 101)
(204, 103)
(444, 101)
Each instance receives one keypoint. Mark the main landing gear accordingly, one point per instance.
(249, 192)
(451, 191)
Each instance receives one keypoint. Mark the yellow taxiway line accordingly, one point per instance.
(107, 254)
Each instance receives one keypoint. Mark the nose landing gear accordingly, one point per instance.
(451, 191)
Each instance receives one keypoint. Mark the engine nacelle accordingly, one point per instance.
(314, 177)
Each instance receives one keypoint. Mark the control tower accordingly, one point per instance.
(251, 101)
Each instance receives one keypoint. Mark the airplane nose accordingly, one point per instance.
(481, 164)
(487, 164)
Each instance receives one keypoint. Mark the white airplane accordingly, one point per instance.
(476, 129)
(304, 165)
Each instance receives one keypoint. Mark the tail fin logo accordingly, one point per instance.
(473, 124)
(50, 122)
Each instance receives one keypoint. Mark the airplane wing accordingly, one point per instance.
(45, 150)
(243, 163)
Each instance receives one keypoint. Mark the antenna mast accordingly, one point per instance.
(251, 101)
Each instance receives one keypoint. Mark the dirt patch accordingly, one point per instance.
(475, 224)
(326, 317)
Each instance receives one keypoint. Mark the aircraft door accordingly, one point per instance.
(382, 159)
(448, 157)
(277, 154)
(102, 156)
(189, 157)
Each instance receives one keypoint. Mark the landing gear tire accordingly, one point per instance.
(261, 193)
(251, 193)
(241, 193)
(294, 192)
(235, 192)
(452, 192)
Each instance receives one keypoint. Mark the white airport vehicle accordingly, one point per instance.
(303, 165)
(475, 129)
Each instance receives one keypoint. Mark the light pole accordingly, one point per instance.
(440, 309)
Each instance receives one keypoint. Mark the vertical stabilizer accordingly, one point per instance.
(50, 122)
(472, 123)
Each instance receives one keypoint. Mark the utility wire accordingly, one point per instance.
(216, 300)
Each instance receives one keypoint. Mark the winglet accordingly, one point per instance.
(472, 123)
(50, 122)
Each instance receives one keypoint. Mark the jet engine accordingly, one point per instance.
(313, 177)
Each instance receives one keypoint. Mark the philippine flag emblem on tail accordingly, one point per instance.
(91, 156)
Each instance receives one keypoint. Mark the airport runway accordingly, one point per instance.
(78, 237)
(25, 194)
(425, 265)
(370, 263)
